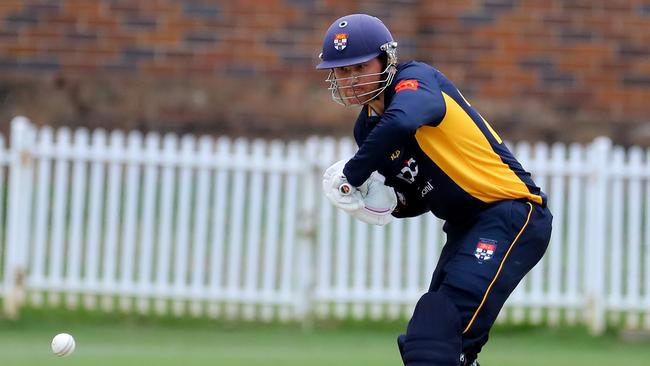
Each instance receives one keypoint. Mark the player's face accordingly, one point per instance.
(357, 82)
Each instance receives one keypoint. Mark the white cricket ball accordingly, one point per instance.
(63, 344)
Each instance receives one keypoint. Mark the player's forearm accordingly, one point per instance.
(385, 138)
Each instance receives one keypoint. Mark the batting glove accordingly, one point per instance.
(338, 191)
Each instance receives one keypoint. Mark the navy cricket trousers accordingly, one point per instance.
(483, 261)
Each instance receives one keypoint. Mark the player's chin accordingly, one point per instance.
(354, 100)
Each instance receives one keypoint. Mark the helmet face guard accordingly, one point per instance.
(386, 77)
(352, 40)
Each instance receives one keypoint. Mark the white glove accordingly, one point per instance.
(372, 202)
(379, 201)
(337, 189)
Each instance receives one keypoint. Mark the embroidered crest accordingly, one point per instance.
(485, 249)
(340, 41)
(395, 155)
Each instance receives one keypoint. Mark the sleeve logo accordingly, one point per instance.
(411, 84)
(409, 171)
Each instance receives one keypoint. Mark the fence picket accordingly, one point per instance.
(218, 224)
(114, 204)
(271, 236)
(575, 213)
(200, 228)
(597, 210)
(77, 191)
(98, 149)
(616, 236)
(167, 203)
(342, 245)
(59, 208)
(150, 189)
(253, 223)
(22, 216)
(325, 238)
(18, 202)
(182, 244)
(238, 200)
(633, 238)
(39, 276)
(131, 203)
(291, 210)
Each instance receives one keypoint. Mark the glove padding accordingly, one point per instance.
(379, 201)
(372, 202)
(333, 179)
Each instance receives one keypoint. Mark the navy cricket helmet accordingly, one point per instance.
(354, 39)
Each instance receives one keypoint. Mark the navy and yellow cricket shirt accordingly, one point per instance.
(438, 153)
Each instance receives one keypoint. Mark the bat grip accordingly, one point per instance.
(346, 189)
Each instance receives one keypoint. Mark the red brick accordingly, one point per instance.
(161, 69)
(80, 7)
(497, 90)
(80, 66)
(484, 59)
(160, 38)
(536, 5)
(21, 50)
(101, 22)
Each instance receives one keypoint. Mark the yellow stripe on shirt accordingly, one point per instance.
(459, 147)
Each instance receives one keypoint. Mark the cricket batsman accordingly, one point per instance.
(424, 148)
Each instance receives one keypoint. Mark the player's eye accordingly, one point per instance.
(341, 71)
(348, 69)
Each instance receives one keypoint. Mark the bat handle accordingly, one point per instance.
(346, 189)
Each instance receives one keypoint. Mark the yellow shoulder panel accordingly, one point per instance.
(463, 152)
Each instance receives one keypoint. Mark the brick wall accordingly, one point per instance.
(539, 70)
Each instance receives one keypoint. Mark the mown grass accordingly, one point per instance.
(133, 340)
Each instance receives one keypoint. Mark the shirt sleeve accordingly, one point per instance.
(416, 100)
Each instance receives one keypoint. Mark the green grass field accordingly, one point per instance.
(121, 341)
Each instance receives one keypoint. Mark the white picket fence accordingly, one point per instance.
(238, 229)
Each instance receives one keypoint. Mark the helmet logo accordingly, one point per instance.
(340, 41)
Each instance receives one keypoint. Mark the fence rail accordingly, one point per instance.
(238, 228)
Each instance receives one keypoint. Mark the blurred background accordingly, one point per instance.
(538, 70)
(160, 196)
